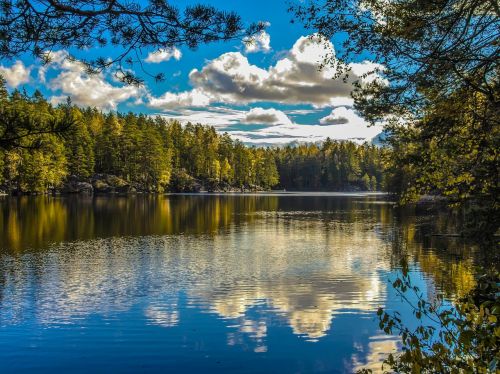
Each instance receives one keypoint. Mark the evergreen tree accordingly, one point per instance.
(153, 154)
(79, 147)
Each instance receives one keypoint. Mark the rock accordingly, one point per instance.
(255, 188)
(107, 183)
(115, 181)
(101, 186)
(125, 189)
(73, 185)
(82, 187)
(181, 181)
(196, 186)
(212, 185)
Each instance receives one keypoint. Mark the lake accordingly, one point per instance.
(255, 283)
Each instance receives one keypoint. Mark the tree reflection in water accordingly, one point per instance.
(252, 261)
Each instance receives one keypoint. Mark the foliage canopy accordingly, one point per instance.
(154, 154)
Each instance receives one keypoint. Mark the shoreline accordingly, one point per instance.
(207, 193)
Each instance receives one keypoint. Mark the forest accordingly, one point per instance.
(114, 152)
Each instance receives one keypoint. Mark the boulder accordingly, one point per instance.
(74, 185)
(125, 189)
(181, 181)
(81, 187)
(101, 186)
(107, 183)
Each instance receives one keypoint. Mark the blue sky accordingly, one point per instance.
(268, 93)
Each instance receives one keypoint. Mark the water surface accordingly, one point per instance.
(211, 283)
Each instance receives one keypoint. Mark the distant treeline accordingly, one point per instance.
(129, 152)
(333, 165)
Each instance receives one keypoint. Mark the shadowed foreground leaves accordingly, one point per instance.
(462, 338)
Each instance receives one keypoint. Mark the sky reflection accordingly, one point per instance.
(297, 288)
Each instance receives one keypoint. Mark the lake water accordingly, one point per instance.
(271, 283)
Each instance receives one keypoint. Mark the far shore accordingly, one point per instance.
(215, 193)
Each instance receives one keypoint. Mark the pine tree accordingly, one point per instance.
(79, 147)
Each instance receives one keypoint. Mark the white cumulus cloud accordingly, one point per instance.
(282, 134)
(168, 100)
(294, 79)
(258, 43)
(15, 75)
(340, 116)
(84, 89)
(163, 55)
(218, 117)
(263, 116)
